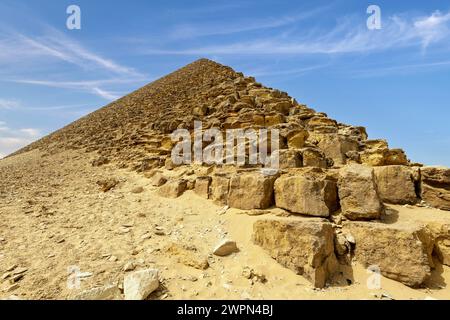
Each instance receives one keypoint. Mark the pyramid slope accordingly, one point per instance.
(134, 129)
(141, 109)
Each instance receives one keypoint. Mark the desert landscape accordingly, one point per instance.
(99, 209)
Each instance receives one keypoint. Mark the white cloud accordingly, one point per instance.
(9, 104)
(433, 28)
(14, 139)
(52, 46)
(91, 86)
(105, 94)
(30, 132)
(397, 33)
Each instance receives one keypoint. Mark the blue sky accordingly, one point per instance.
(394, 81)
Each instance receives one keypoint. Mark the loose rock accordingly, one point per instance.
(139, 285)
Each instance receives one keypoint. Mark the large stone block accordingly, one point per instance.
(288, 158)
(435, 186)
(441, 236)
(202, 186)
(377, 155)
(336, 146)
(308, 192)
(302, 245)
(251, 190)
(296, 138)
(358, 193)
(402, 253)
(173, 189)
(220, 187)
(313, 158)
(274, 119)
(396, 184)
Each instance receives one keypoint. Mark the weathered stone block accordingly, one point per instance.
(402, 253)
(303, 245)
(251, 191)
(309, 193)
(396, 184)
(358, 193)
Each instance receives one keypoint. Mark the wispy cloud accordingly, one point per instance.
(294, 71)
(78, 84)
(397, 33)
(193, 31)
(91, 86)
(433, 28)
(105, 94)
(52, 46)
(374, 71)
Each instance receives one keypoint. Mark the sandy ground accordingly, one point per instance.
(54, 218)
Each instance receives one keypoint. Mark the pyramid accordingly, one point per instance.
(332, 181)
(220, 97)
(134, 131)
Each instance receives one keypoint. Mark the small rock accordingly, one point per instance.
(140, 284)
(11, 268)
(225, 248)
(128, 225)
(82, 275)
(190, 278)
(5, 275)
(12, 287)
(113, 259)
(253, 276)
(19, 271)
(110, 292)
(350, 238)
(130, 266)
(146, 236)
(124, 230)
(107, 184)
(158, 180)
(137, 190)
(16, 278)
(223, 210)
(386, 296)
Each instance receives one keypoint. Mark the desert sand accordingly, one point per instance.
(54, 216)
